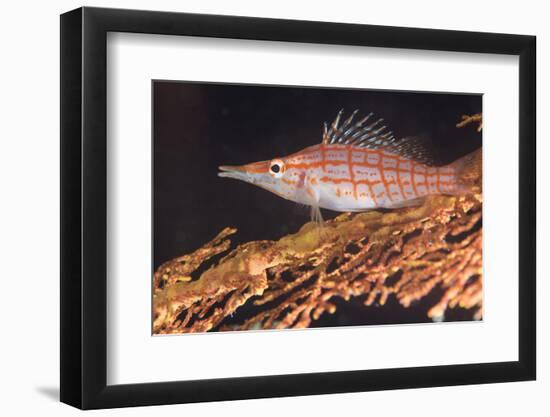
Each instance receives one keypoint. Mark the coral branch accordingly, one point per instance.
(475, 118)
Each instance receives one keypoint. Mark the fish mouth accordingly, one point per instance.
(235, 172)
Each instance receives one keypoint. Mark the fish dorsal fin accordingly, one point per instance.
(371, 133)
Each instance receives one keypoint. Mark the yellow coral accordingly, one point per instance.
(438, 243)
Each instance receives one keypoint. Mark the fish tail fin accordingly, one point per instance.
(469, 172)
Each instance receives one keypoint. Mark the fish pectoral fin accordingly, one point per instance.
(313, 197)
(316, 215)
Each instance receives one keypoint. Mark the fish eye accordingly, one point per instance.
(276, 168)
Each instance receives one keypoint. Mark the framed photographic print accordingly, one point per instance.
(258, 208)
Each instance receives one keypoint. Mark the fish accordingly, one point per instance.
(357, 166)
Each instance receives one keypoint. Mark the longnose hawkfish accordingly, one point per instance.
(358, 166)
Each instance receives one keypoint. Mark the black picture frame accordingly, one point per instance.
(84, 207)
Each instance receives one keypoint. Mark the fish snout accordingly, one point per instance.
(231, 168)
(246, 173)
(230, 171)
(238, 173)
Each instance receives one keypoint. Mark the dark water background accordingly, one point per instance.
(199, 126)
